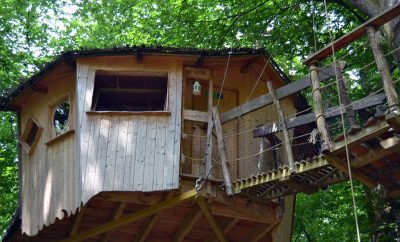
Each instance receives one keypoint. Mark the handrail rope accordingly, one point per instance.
(367, 65)
(362, 44)
(200, 182)
(223, 80)
(343, 126)
(359, 100)
(209, 138)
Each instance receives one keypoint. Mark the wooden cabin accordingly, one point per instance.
(113, 143)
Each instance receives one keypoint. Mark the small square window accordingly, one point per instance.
(31, 135)
(127, 91)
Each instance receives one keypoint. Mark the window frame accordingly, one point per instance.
(94, 98)
(51, 131)
(23, 140)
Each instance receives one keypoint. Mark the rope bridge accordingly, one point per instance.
(307, 148)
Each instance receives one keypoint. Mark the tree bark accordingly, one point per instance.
(391, 30)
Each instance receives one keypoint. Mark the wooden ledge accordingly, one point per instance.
(155, 113)
(60, 137)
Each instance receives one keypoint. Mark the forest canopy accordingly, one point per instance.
(33, 32)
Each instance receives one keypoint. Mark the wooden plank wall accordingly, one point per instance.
(237, 88)
(50, 174)
(128, 152)
(283, 232)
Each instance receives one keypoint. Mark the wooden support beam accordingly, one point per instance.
(148, 226)
(341, 166)
(343, 41)
(393, 119)
(133, 217)
(241, 207)
(119, 209)
(260, 231)
(194, 115)
(389, 169)
(210, 127)
(210, 218)
(285, 91)
(319, 109)
(300, 186)
(222, 152)
(77, 221)
(197, 73)
(365, 134)
(310, 117)
(383, 67)
(344, 96)
(279, 110)
(321, 180)
(225, 230)
(389, 147)
(223, 210)
(187, 224)
(147, 199)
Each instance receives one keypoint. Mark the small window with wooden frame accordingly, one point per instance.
(60, 120)
(31, 135)
(127, 91)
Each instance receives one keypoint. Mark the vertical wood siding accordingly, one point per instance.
(50, 173)
(128, 152)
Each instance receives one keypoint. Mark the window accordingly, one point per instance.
(127, 91)
(60, 120)
(31, 135)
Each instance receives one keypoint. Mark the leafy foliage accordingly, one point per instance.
(34, 31)
(8, 169)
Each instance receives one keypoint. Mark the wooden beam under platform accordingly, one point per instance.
(340, 165)
(133, 217)
(77, 221)
(376, 154)
(148, 226)
(225, 230)
(260, 231)
(187, 224)
(366, 133)
(119, 209)
(211, 220)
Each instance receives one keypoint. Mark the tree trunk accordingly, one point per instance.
(391, 30)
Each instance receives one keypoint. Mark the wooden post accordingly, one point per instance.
(344, 97)
(209, 130)
(383, 67)
(318, 108)
(282, 122)
(222, 152)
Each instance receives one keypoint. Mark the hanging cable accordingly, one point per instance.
(343, 125)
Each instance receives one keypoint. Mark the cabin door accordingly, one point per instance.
(228, 99)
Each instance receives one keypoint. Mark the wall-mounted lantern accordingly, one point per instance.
(196, 88)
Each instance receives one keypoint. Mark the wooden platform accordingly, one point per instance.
(196, 218)
(374, 157)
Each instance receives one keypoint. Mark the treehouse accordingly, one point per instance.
(143, 144)
(107, 134)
